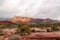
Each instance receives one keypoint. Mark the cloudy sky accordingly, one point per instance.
(30, 8)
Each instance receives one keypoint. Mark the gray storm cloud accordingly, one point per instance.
(30, 8)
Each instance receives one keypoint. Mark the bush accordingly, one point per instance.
(54, 28)
(24, 30)
(14, 38)
(1, 32)
(48, 30)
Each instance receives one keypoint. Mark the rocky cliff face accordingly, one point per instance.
(27, 20)
(21, 19)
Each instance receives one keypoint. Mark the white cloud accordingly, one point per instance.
(31, 8)
(58, 18)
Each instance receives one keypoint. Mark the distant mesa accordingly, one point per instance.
(19, 19)
(27, 20)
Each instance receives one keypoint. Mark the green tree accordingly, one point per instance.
(24, 29)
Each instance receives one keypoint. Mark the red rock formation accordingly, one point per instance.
(6, 22)
(21, 19)
(26, 20)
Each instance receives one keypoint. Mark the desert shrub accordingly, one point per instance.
(24, 30)
(14, 38)
(1, 32)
